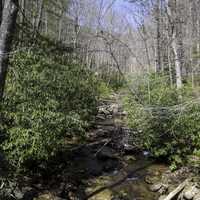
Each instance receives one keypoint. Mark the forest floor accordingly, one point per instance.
(105, 167)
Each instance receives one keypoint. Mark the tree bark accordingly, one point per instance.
(23, 8)
(46, 22)
(158, 38)
(7, 30)
(39, 16)
(172, 194)
(177, 39)
(178, 61)
(1, 10)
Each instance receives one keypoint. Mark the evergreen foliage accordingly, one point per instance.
(169, 127)
(45, 103)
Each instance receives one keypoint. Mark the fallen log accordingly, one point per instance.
(177, 190)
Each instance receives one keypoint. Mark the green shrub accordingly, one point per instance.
(154, 90)
(104, 90)
(168, 127)
(45, 102)
(113, 79)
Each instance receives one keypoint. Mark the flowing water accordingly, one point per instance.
(103, 172)
(134, 187)
(125, 183)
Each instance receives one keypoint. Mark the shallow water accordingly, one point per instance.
(133, 188)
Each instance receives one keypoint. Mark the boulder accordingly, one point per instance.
(151, 179)
(162, 197)
(130, 158)
(197, 197)
(155, 187)
(128, 148)
(163, 189)
(18, 193)
(100, 117)
(103, 110)
(113, 108)
(190, 192)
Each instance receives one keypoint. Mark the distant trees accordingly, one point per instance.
(151, 36)
(174, 27)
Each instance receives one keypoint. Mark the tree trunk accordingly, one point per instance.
(178, 61)
(7, 30)
(23, 8)
(60, 27)
(39, 16)
(1, 10)
(22, 16)
(170, 66)
(177, 39)
(158, 38)
(46, 22)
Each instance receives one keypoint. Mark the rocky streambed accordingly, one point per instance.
(106, 167)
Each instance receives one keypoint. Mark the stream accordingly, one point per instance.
(105, 167)
(133, 188)
(126, 179)
(108, 167)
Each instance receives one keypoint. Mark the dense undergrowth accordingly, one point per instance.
(167, 120)
(47, 102)
(50, 99)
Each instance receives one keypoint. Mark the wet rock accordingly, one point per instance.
(155, 187)
(109, 116)
(100, 117)
(151, 179)
(108, 129)
(129, 148)
(18, 193)
(130, 158)
(162, 197)
(113, 109)
(163, 189)
(101, 133)
(190, 192)
(58, 198)
(47, 197)
(197, 197)
(103, 110)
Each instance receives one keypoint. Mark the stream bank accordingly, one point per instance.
(105, 167)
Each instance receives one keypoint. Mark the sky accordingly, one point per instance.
(120, 6)
(126, 10)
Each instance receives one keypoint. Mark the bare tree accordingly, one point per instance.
(177, 38)
(6, 36)
(1, 10)
(158, 37)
